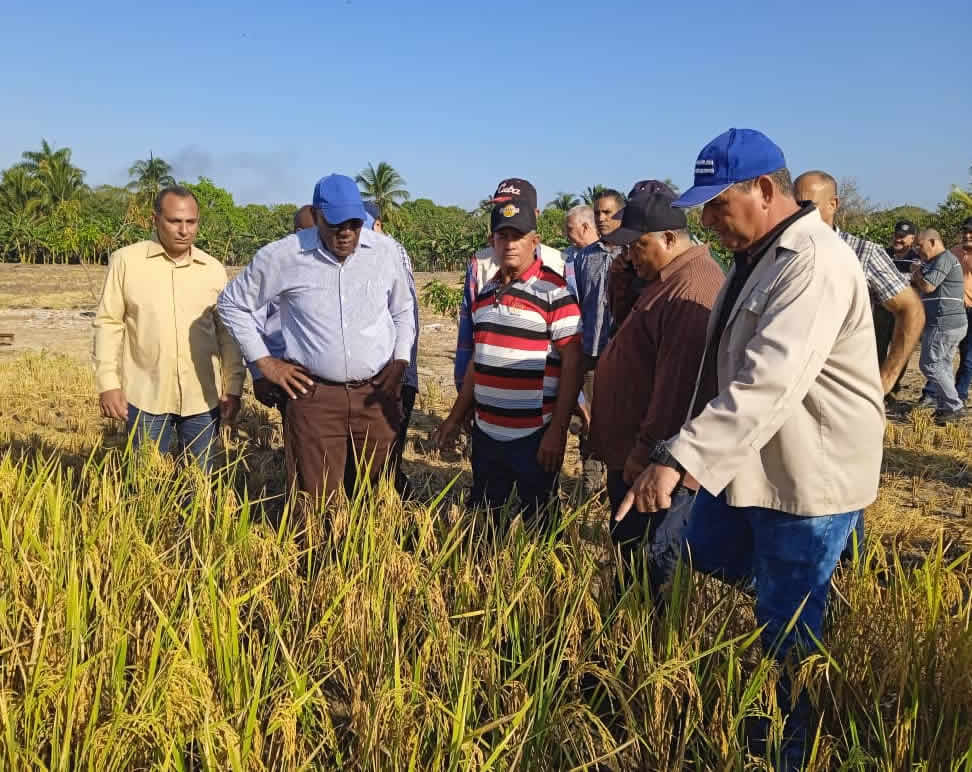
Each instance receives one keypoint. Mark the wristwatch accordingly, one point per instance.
(662, 456)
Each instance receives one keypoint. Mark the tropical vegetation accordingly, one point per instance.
(49, 214)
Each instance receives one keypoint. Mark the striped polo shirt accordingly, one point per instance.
(517, 330)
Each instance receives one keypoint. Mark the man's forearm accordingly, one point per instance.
(909, 321)
(466, 399)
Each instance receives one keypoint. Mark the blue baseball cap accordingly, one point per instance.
(338, 199)
(737, 155)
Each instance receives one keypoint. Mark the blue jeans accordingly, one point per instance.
(938, 348)
(498, 466)
(789, 557)
(963, 378)
(195, 433)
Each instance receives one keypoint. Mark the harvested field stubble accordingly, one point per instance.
(149, 618)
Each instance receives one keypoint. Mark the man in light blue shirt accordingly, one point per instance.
(347, 320)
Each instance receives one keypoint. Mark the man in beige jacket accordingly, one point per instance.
(787, 452)
(164, 363)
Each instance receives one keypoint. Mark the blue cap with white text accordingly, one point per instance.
(338, 199)
(735, 156)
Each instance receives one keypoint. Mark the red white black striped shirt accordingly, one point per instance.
(517, 330)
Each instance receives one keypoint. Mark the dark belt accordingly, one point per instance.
(344, 384)
(326, 382)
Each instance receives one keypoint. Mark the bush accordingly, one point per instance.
(441, 298)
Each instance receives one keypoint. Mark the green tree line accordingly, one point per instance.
(49, 214)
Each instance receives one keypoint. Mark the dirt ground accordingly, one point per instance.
(51, 307)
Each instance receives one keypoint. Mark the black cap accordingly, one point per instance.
(647, 186)
(651, 186)
(515, 187)
(967, 224)
(905, 226)
(646, 213)
(517, 213)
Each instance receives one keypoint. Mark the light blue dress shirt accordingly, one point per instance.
(343, 321)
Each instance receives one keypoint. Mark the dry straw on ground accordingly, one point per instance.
(149, 619)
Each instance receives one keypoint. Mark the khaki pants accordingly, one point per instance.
(331, 421)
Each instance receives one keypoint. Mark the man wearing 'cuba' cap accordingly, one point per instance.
(524, 375)
(786, 442)
(483, 265)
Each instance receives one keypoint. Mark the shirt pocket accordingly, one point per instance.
(748, 320)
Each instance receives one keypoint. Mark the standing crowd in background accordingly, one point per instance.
(735, 421)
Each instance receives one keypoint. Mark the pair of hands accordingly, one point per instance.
(114, 404)
(295, 379)
(550, 454)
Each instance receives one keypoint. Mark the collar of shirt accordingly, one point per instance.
(530, 273)
(755, 253)
(157, 250)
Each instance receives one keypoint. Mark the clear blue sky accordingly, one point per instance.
(264, 97)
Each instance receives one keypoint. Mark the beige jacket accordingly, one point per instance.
(798, 423)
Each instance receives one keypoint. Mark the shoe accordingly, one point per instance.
(924, 403)
(951, 416)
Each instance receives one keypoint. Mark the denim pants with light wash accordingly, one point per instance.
(790, 557)
(938, 349)
(195, 433)
(963, 378)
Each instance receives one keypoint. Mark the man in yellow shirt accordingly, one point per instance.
(164, 363)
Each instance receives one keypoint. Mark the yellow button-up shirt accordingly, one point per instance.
(158, 336)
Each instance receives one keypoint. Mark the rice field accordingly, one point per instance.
(151, 619)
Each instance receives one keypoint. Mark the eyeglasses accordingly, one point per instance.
(347, 225)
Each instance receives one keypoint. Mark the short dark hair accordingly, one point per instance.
(609, 193)
(179, 191)
(781, 178)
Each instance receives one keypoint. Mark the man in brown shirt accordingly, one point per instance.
(646, 377)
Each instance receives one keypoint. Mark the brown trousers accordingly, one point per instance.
(323, 426)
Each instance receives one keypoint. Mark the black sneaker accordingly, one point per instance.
(951, 416)
(924, 403)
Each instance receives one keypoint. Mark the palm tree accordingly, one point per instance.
(383, 185)
(672, 185)
(591, 193)
(20, 193)
(60, 179)
(150, 176)
(564, 201)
